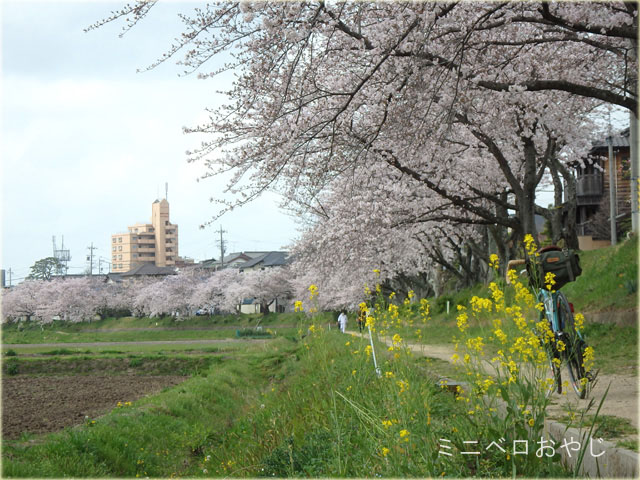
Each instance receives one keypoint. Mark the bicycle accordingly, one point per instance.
(568, 342)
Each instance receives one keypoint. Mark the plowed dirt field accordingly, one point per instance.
(50, 403)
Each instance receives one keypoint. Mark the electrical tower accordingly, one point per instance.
(63, 256)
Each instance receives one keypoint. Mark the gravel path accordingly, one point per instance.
(621, 401)
(18, 346)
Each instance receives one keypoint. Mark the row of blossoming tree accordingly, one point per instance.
(82, 299)
(411, 136)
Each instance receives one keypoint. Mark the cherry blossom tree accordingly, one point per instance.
(21, 300)
(211, 291)
(267, 285)
(325, 88)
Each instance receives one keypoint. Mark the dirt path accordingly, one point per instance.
(18, 346)
(178, 329)
(621, 401)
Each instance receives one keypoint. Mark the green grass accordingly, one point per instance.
(127, 329)
(296, 408)
(606, 426)
(609, 279)
(61, 336)
(629, 444)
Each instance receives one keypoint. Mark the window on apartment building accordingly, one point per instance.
(113, 258)
(119, 257)
(135, 230)
(120, 247)
(166, 222)
(114, 249)
(135, 255)
(120, 239)
(114, 239)
(135, 246)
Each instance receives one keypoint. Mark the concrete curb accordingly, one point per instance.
(607, 461)
(604, 461)
(615, 462)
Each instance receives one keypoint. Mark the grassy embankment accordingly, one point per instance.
(608, 283)
(309, 406)
(130, 329)
(281, 396)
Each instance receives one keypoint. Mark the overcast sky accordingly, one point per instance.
(88, 143)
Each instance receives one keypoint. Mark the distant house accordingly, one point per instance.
(266, 260)
(253, 305)
(146, 270)
(233, 260)
(592, 190)
(247, 261)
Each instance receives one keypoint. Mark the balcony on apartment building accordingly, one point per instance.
(145, 239)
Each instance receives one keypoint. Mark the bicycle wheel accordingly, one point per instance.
(574, 348)
(555, 378)
(552, 380)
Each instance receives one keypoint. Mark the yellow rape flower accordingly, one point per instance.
(385, 451)
(462, 320)
(588, 358)
(298, 306)
(403, 385)
(550, 280)
(494, 261)
(530, 245)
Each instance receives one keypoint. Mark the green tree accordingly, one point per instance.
(44, 268)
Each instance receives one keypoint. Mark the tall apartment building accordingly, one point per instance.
(155, 243)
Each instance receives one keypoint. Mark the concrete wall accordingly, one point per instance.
(586, 243)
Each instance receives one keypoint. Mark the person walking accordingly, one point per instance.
(342, 322)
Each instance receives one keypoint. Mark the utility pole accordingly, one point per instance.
(222, 247)
(633, 140)
(90, 258)
(10, 272)
(612, 190)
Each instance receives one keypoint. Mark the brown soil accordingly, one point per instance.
(47, 404)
